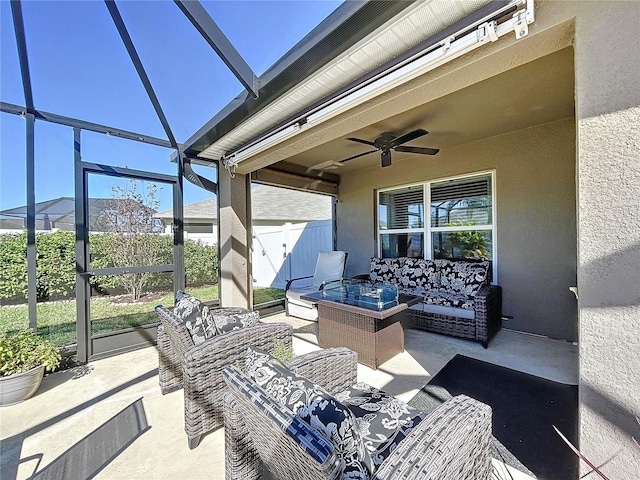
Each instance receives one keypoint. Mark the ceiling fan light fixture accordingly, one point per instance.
(385, 158)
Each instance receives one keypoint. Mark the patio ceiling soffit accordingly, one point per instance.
(484, 26)
(342, 30)
(384, 37)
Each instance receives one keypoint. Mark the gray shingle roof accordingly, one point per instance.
(267, 203)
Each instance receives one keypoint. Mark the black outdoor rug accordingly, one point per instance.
(524, 409)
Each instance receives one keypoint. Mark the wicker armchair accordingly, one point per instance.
(198, 368)
(451, 443)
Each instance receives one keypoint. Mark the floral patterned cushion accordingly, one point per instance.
(195, 316)
(462, 277)
(446, 299)
(385, 269)
(315, 445)
(419, 275)
(233, 318)
(311, 403)
(477, 276)
(383, 421)
(334, 421)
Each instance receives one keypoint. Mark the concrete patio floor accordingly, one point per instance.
(109, 417)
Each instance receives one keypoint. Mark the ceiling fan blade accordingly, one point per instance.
(359, 140)
(356, 156)
(421, 150)
(407, 137)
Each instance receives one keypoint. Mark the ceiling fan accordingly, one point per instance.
(387, 141)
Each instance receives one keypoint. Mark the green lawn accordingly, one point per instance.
(56, 321)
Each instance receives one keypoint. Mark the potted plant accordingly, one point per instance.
(24, 356)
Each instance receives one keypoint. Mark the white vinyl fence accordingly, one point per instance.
(289, 251)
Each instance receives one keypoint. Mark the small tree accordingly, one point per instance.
(128, 216)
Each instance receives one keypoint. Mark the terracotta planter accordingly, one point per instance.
(18, 387)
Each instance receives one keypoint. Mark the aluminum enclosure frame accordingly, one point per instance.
(85, 344)
(184, 169)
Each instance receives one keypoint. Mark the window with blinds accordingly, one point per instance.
(461, 202)
(401, 209)
(460, 222)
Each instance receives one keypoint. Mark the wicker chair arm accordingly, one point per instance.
(452, 442)
(488, 293)
(169, 363)
(488, 312)
(242, 461)
(227, 349)
(334, 369)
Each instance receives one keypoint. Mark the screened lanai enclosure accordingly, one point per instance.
(87, 267)
(501, 131)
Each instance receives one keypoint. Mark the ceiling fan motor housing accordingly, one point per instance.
(383, 142)
(387, 141)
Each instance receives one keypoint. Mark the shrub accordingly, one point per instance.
(55, 264)
(24, 350)
(13, 274)
(201, 263)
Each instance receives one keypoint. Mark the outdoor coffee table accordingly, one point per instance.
(372, 329)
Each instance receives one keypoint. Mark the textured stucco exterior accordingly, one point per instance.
(536, 218)
(607, 48)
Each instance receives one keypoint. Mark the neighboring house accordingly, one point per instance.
(546, 113)
(289, 227)
(59, 214)
(270, 206)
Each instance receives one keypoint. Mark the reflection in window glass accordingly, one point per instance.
(462, 202)
(460, 226)
(402, 245)
(464, 244)
(402, 209)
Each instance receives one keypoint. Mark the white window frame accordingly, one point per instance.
(427, 229)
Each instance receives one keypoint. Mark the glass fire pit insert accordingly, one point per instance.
(375, 297)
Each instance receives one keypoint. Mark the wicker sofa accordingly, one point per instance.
(452, 442)
(458, 298)
(198, 368)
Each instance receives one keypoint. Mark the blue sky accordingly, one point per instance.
(80, 68)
